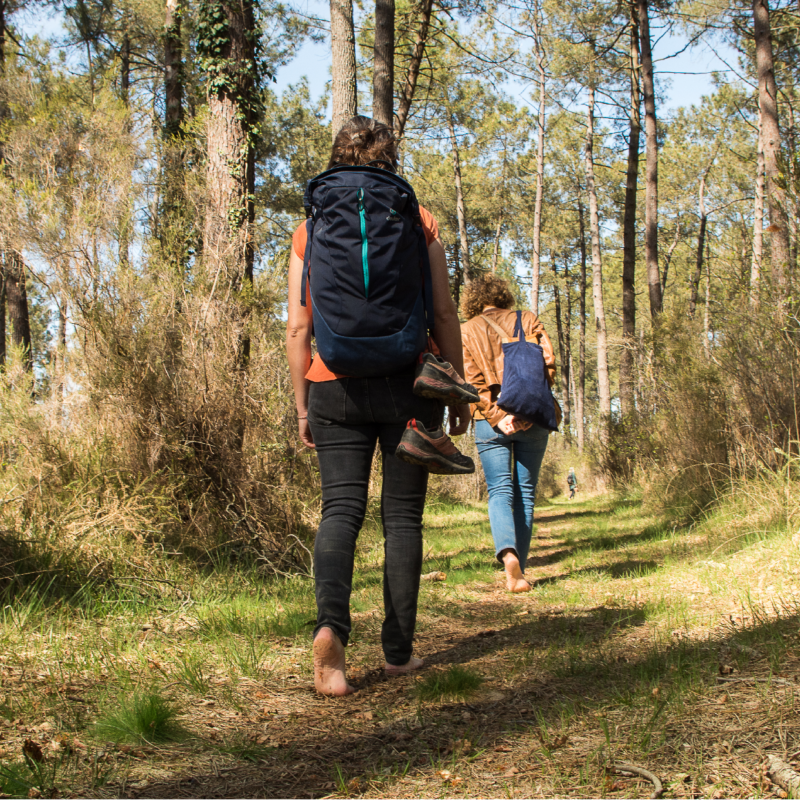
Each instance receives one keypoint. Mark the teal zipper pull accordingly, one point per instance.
(364, 243)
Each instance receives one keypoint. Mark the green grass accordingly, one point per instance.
(142, 718)
(457, 683)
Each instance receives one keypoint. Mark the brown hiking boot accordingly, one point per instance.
(436, 378)
(432, 450)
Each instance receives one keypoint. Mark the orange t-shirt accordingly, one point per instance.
(318, 372)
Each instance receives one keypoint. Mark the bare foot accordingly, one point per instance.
(329, 665)
(412, 664)
(515, 581)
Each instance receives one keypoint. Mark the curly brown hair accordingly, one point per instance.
(363, 140)
(485, 290)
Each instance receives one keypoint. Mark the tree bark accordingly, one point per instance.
(461, 211)
(537, 209)
(701, 241)
(668, 257)
(562, 350)
(344, 90)
(758, 215)
(706, 314)
(768, 100)
(383, 67)
(175, 229)
(496, 250)
(17, 300)
(228, 228)
(173, 69)
(626, 358)
(603, 385)
(651, 178)
(412, 76)
(2, 317)
(124, 88)
(580, 393)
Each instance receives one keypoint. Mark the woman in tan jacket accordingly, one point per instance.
(511, 449)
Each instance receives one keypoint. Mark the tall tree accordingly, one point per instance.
(563, 345)
(412, 73)
(626, 359)
(580, 389)
(344, 89)
(768, 103)
(701, 243)
(383, 69)
(461, 209)
(12, 270)
(758, 215)
(603, 383)
(174, 228)
(537, 209)
(651, 178)
(227, 44)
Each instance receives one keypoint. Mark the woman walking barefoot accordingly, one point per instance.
(511, 450)
(344, 417)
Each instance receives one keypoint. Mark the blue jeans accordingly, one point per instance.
(511, 465)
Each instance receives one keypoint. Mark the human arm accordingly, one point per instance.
(298, 347)
(447, 328)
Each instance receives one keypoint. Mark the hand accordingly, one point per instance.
(305, 433)
(459, 419)
(508, 424)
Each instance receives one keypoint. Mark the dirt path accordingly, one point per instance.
(567, 692)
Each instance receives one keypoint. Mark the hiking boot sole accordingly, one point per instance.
(438, 465)
(437, 389)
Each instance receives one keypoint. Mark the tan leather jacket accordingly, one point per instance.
(483, 357)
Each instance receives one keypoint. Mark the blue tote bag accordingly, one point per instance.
(525, 392)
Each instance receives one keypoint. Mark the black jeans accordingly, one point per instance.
(347, 418)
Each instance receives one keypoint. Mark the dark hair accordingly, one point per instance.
(362, 140)
(485, 290)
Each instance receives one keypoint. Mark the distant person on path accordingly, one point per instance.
(511, 449)
(342, 412)
(572, 482)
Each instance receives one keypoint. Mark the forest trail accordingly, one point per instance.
(637, 645)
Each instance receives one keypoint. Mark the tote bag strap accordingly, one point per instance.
(500, 332)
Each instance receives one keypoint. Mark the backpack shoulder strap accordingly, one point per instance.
(500, 332)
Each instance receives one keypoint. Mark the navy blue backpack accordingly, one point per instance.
(525, 392)
(367, 266)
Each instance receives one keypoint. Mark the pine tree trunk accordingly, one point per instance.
(124, 87)
(17, 300)
(651, 178)
(410, 85)
(2, 317)
(758, 216)
(668, 258)
(496, 249)
(562, 351)
(603, 385)
(768, 100)
(383, 68)
(228, 228)
(701, 241)
(12, 273)
(580, 393)
(537, 209)
(566, 367)
(344, 90)
(706, 318)
(175, 227)
(173, 70)
(461, 211)
(626, 357)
